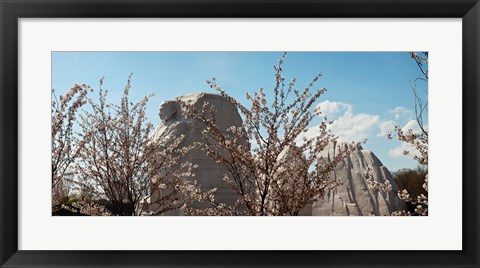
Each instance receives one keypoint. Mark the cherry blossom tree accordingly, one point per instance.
(122, 164)
(65, 146)
(274, 166)
(418, 141)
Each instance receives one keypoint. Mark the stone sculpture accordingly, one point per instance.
(208, 173)
(173, 126)
(352, 196)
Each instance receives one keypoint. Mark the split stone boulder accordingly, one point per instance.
(352, 196)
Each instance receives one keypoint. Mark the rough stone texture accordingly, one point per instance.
(209, 174)
(352, 197)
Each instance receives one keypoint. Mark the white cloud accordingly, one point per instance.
(330, 108)
(401, 113)
(385, 128)
(413, 125)
(348, 126)
(354, 127)
(398, 151)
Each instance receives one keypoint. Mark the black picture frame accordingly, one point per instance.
(11, 11)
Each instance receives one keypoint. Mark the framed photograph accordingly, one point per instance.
(338, 127)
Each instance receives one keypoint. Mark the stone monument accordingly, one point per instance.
(208, 173)
(173, 126)
(352, 196)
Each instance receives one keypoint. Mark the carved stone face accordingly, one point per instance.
(167, 111)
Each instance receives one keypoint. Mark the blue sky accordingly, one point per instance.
(366, 91)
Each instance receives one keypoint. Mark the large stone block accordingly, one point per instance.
(208, 173)
(352, 196)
